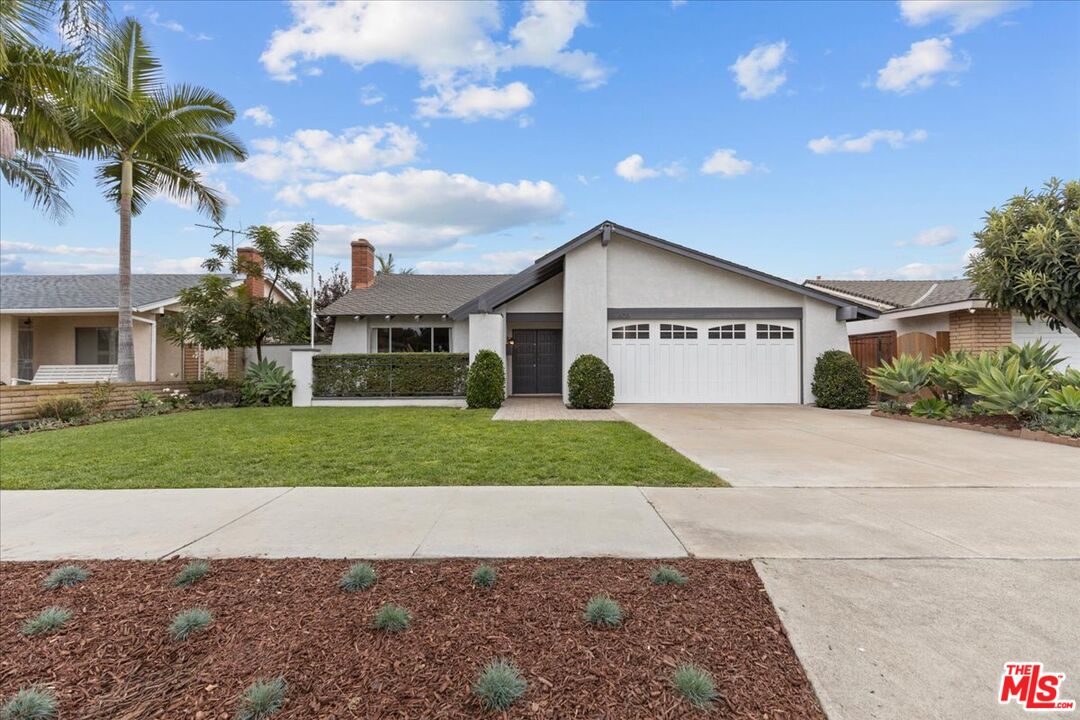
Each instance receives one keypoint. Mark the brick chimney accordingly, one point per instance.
(255, 284)
(363, 264)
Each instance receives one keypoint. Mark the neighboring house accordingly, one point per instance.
(65, 320)
(674, 324)
(927, 316)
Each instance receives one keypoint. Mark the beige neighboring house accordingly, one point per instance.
(928, 316)
(71, 320)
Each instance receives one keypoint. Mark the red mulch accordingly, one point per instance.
(1007, 422)
(115, 659)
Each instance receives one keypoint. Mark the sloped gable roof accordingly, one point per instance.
(413, 294)
(903, 294)
(46, 292)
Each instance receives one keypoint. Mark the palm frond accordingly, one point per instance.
(183, 183)
(126, 63)
(38, 183)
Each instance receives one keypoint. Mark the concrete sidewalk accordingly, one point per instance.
(734, 523)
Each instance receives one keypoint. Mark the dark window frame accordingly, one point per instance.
(386, 338)
(634, 331)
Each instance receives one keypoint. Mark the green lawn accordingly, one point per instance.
(341, 446)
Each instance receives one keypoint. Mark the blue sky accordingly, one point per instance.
(837, 139)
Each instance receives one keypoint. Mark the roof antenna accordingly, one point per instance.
(219, 230)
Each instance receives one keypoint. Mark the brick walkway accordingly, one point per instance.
(548, 408)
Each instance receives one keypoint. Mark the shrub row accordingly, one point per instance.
(390, 375)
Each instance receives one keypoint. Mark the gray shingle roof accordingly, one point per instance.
(41, 292)
(414, 294)
(903, 293)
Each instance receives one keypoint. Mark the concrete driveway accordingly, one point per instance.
(798, 446)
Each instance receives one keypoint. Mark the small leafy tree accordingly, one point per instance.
(327, 291)
(1028, 258)
(215, 316)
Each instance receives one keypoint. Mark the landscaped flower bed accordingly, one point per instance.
(296, 620)
(995, 424)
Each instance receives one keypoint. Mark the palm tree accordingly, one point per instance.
(387, 267)
(150, 139)
(38, 86)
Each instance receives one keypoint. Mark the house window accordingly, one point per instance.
(677, 332)
(95, 345)
(631, 332)
(412, 339)
(775, 332)
(728, 332)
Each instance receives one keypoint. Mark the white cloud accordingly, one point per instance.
(758, 72)
(865, 143)
(723, 162)
(432, 199)
(401, 238)
(17, 264)
(925, 271)
(155, 19)
(473, 102)
(208, 175)
(260, 115)
(633, 169)
(308, 153)
(506, 262)
(453, 45)
(932, 237)
(191, 264)
(963, 15)
(369, 95)
(920, 67)
(11, 246)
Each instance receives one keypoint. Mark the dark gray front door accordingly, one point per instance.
(537, 362)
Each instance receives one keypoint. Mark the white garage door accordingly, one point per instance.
(704, 361)
(1069, 342)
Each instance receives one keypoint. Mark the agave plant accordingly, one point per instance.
(1068, 376)
(267, 383)
(946, 376)
(1010, 390)
(905, 375)
(931, 407)
(1064, 400)
(1037, 356)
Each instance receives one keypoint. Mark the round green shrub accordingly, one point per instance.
(695, 684)
(359, 576)
(590, 383)
(392, 618)
(484, 576)
(64, 408)
(499, 685)
(839, 382)
(486, 386)
(603, 612)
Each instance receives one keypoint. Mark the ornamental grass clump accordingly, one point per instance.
(30, 704)
(189, 622)
(48, 620)
(603, 612)
(695, 685)
(484, 576)
(192, 573)
(499, 685)
(666, 575)
(359, 576)
(262, 699)
(392, 618)
(65, 576)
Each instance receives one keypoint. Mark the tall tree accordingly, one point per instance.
(327, 291)
(1027, 255)
(216, 316)
(150, 140)
(387, 266)
(39, 87)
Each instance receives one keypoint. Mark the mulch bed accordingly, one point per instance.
(115, 659)
(1005, 425)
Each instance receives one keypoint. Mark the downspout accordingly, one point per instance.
(153, 345)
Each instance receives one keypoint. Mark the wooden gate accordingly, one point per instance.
(871, 350)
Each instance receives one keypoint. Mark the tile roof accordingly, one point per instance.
(41, 292)
(903, 293)
(414, 294)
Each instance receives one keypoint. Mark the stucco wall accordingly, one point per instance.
(585, 303)
(545, 297)
(9, 347)
(54, 340)
(487, 331)
(820, 332)
(929, 324)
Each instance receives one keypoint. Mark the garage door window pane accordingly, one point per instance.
(677, 332)
(775, 332)
(728, 332)
(631, 332)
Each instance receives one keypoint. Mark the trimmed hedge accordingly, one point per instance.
(839, 381)
(389, 375)
(487, 381)
(590, 383)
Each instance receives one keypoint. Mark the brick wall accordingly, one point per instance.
(980, 330)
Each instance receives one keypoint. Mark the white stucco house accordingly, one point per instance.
(927, 316)
(675, 325)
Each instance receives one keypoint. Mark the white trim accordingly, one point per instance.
(935, 309)
(59, 311)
